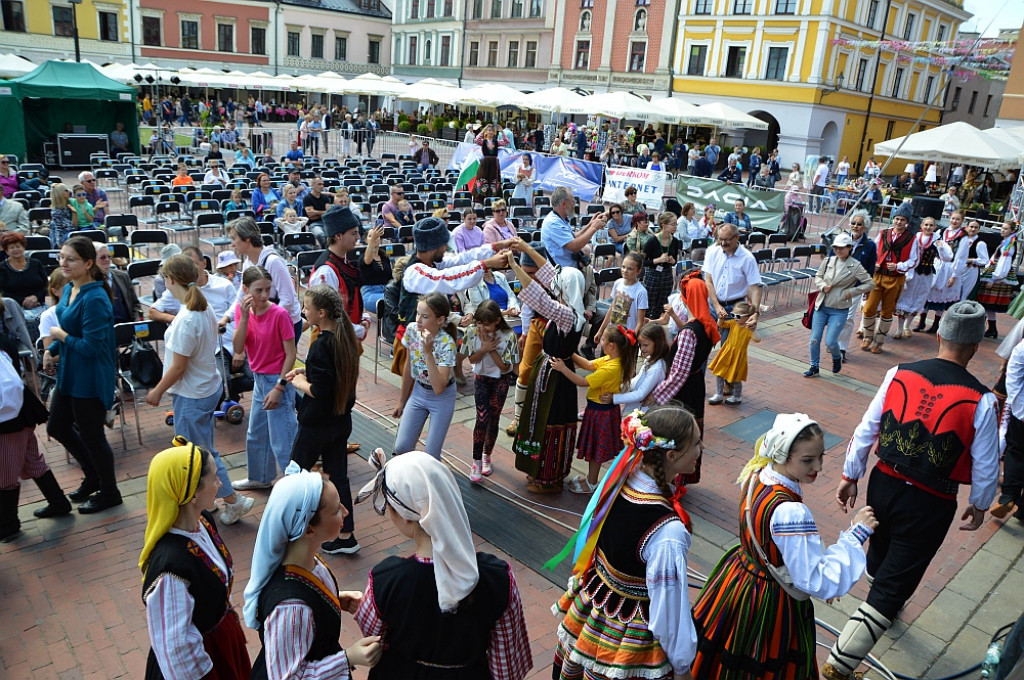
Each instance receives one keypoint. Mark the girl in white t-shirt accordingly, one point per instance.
(191, 374)
(48, 319)
(629, 297)
(493, 349)
(654, 348)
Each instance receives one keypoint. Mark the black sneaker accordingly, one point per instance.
(345, 546)
(843, 352)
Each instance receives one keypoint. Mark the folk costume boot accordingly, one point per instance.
(934, 328)
(867, 327)
(855, 642)
(10, 525)
(992, 332)
(920, 324)
(58, 503)
(883, 330)
(513, 428)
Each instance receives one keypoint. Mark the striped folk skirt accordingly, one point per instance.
(600, 437)
(996, 298)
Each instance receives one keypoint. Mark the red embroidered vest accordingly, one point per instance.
(892, 248)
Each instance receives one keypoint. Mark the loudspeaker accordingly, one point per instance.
(927, 207)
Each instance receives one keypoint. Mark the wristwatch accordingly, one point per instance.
(282, 383)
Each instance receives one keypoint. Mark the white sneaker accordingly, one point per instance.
(474, 473)
(249, 485)
(233, 512)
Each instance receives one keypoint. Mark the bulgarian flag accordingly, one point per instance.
(467, 176)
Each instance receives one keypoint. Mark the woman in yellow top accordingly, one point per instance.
(600, 430)
(730, 364)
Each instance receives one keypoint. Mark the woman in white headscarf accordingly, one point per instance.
(292, 598)
(546, 437)
(446, 611)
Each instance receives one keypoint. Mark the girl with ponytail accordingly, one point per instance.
(754, 613)
(328, 382)
(82, 355)
(628, 588)
(191, 374)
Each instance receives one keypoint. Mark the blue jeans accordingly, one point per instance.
(422, 403)
(835, 319)
(370, 296)
(268, 441)
(193, 420)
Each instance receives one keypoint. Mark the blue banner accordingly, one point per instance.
(583, 177)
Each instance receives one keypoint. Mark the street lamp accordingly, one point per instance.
(835, 88)
(74, 28)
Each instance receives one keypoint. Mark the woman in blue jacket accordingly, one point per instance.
(265, 198)
(83, 353)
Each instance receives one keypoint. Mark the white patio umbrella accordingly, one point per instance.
(12, 66)
(373, 84)
(621, 105)
(1010, 141)
(434, 92)
(554, 99)
(957, 142)
(491, 96)
(732, 116)
(685, 113)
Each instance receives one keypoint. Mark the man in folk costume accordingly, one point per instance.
(897, 254)
(934, 427)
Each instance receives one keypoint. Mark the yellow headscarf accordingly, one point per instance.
(172, 482)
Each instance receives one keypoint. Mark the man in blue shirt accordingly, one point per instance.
(556, 233)
(732, 174)
(703, 167)
(712, 150)
(581, 142)
(294, 155)
(738, 217)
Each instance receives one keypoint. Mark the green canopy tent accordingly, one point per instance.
(36, 106)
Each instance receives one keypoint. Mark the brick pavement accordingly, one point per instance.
(71, 589)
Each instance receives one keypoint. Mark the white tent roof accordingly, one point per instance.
(622, 105)
(684, 113)
(554, 99)
(435, 92)
(373, 84)
(957, 142)
(12, 66)
(732, 116)
(491, 96)
(1010, 141)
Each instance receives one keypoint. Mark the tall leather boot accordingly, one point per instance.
(10, 525)
(58, 503)
(920, 324)
(992, 332)
(934, 328)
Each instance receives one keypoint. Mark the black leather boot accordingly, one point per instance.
(935, 325)
(58, 503)
(991, 332)
(10, 525)
(921, 322)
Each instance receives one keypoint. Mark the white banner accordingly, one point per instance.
(650, 185)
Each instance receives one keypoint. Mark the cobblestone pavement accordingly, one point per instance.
(71, 588)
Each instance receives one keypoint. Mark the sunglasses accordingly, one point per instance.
(860, 224)
(616, 212)
(501, 210)
(81, 195)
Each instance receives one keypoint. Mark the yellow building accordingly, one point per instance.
(40, 29)
(788, 62)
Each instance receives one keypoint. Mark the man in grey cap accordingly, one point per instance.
(933, 426)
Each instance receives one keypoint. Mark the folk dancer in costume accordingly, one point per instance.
(531, 342)
(997, 284)
(921, 278)
(897, 254)
(754, 615)
(292, 599)
(445, 611)
(188, 573)
(546, 437)
(626, 612)
(948, 285)
(488, 175)
(974, 260)
(432, 269)
(936, 407)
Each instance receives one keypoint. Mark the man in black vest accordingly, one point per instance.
(933, 426)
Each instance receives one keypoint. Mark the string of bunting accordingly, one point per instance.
(989, 59)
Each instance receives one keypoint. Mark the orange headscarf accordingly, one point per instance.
(695, 294)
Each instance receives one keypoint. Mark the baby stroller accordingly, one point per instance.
(793, 224)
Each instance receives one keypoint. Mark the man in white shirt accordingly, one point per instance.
(818, 185)
(933, 427)
(732, 276)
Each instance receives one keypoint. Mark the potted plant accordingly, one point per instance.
(404, 126)
(422, 129)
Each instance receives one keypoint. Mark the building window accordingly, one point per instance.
(703, 6)
(446, 50)
(872, 14)
(585, 21)
(13, 12)
(741, 6)
(448, 8)
(189, 35)
(785, 7)
(777, 63)
(225, 37)
(535, 8)
(427, 52)
(293, 43)
(430, 9)
(735, 62)
(492, 54)
(897, 83)
(495, 9)
(988, 103)
(889, 127)
(517, 9)
(956, 98)
(316, 46)
(340, 49)
(513, 53)
(413, 48)
(108, 27)
(474, 54)
(63, 22)
(151, 31)
(586, 3)
(698, 59)
(414, 9)
(941, 37)
(908, 30)
(640, 21)
(373, 52)
(928, 85)
(478, 9)
(643, 2)
(974, 102)
(258, 40)
(637, 53)
(862, 73)
(582, 61)
(531, 54)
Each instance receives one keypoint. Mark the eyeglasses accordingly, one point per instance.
(84, 181)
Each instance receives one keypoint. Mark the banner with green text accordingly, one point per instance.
(765, 208)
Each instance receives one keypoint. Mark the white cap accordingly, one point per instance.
(225, 258)
(844, 240)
